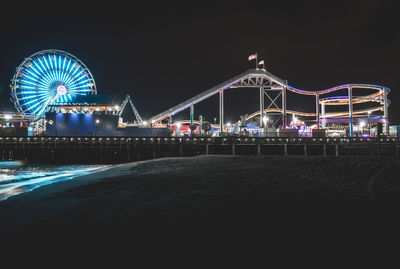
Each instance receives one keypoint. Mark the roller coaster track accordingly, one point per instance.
(292, 112)
(260, 78)
(311, 114)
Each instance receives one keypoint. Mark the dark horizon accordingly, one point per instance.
(166, 54)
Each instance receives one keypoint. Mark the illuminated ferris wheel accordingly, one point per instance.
(48, 77)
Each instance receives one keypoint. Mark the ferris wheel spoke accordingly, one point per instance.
(80, 90)
(41, 77)
(70, 78)
(68, 66)
(59, 62)
(75, 85)
(45, 80)
(27, 81)
(55, 61)
(75, 77)
(50, 77)
(46, 75)
(64, 76)
(43, 66)
(31, 73)
(52, 72)
(44, 84)
(27, 87)
(71, 67)
(43, 89)
(76, 69)
(26, 92)
(39, 95)
(63, 65)
(81, 76)
(24, 80)
(38, 106)
(77, 82)
(70, 83)
(66, 72)
(33, 96)
(59, 75)
(26, 77)
(27, 97)
(50, 61)
(55, 72)
(38, 67)
(43, 107)
(30, 102)
(47, 65)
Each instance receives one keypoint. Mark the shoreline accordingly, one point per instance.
(72, 182)
(208, 187)
(81, 180)
(123, 170)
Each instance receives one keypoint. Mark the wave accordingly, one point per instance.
(19, 177)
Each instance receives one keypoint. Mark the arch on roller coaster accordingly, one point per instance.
(260, 78)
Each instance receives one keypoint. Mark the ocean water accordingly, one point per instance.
(18, 177)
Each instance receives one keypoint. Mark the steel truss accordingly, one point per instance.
(254, 78)
(272, 91)
(127, 100)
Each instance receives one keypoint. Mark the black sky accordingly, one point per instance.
(162, 54)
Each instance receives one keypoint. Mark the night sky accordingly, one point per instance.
(163, 54)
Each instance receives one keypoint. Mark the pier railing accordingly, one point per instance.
(126, 149)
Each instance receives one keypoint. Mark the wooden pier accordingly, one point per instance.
(128, 149)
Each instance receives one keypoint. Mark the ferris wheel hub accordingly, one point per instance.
(61, 90)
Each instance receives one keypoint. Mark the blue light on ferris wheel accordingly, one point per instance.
(48, 77)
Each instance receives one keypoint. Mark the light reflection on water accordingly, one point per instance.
(17, 177)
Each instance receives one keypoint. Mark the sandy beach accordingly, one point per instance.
(218, 187)
(209, 204)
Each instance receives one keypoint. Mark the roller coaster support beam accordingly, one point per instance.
(385, 111)
(284, 120)
(191, 114)
(221, 111)
(317, 110)
(350, 93)
(261, 106)
(323, 114)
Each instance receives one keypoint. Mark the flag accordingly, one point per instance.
(261, 62)
(253, 56)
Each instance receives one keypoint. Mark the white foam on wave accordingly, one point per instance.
(30, 179)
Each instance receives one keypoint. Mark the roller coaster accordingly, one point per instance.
(377, 111)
